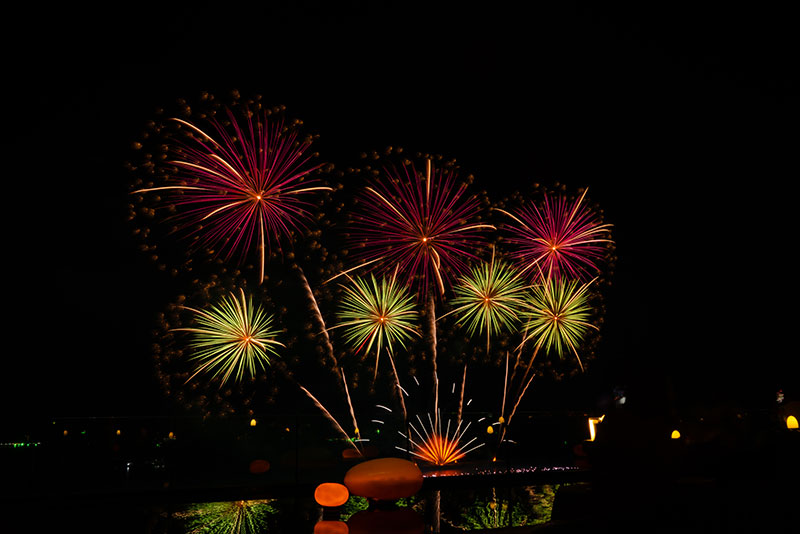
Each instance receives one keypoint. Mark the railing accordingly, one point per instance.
(150, 454)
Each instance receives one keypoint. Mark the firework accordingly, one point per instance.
(240, 187)
(489, 299)
(232, 338)
(558, 315)
(423, 223)
(436, 445)
(561, 238)
(377, 314)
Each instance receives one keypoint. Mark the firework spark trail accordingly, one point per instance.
(513, 411)
(505, 389)
(318, 313)
(400, 389)
(331, 418)
(461, 399)
(350, 404)
(432, 326)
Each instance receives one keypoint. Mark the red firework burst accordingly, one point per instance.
(560, 237)
(425, 224)
(240, 187)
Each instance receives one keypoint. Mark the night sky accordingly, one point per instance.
(677, 118)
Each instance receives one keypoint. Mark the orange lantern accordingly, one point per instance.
(331, 494)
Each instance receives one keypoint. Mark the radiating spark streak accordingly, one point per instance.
(345, 273)
(384, 407)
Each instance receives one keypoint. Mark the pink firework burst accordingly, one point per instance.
(422, 223)
(242, 187)
(562, 238)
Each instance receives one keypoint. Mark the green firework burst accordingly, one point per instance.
(232, 338)
(490, 299)
(558, 316)
(377, 314)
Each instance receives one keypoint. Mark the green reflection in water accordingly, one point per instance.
(356, 504)
(239, 517)
(509, 507)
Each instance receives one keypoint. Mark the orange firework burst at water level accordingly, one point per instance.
(436, 447)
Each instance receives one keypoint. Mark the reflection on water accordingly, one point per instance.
(505, 507)
(453, 510)
(243, 517)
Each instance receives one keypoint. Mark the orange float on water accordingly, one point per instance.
(384, 479)
(331, 494)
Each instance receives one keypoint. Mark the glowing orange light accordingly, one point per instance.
(119, 432)
(439, 450)
(252, 422)
(490, 430)
(592, 422)
(791, 422)
(675, 434)
(424, 239)
(331, 494)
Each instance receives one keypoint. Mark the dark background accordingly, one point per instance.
(679, 117)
